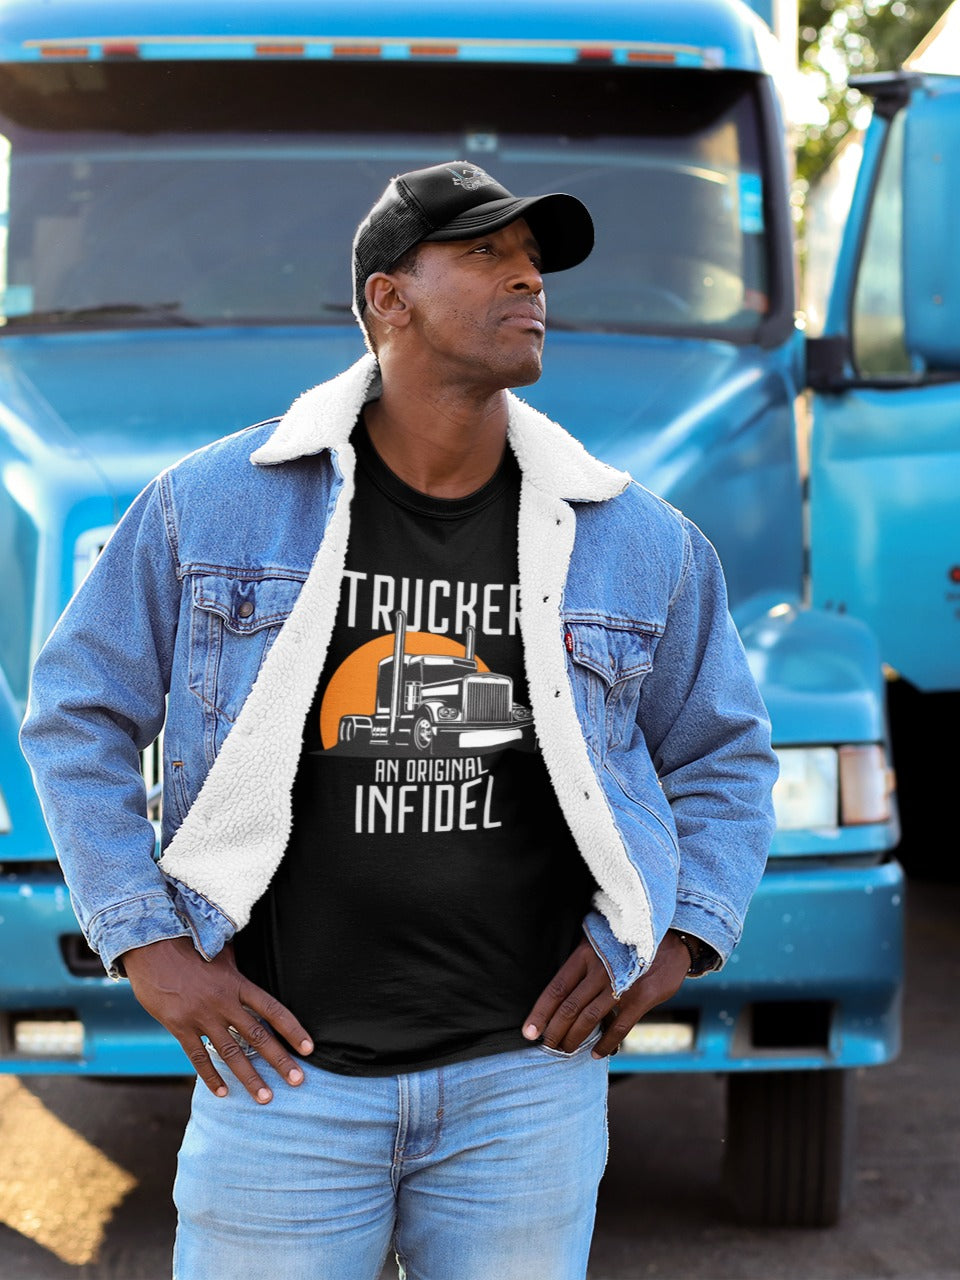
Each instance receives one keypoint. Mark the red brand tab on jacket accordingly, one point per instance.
(568, 641)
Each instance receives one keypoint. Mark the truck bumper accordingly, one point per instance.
(815, 981)
(481, 739)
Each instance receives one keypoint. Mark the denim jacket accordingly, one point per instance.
(210, 611)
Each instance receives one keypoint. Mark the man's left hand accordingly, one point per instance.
(579, 997)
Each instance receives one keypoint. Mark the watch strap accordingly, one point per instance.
(703, 958)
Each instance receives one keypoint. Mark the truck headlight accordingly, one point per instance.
(806, 793)
(826, 787)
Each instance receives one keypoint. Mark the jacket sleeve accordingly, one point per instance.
(708, 734)
(97, 699)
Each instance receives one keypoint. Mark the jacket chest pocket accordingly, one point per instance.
(233, 623)
(607, 664)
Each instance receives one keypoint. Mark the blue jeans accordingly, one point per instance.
(486, 1168)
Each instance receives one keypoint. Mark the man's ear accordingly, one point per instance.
(386, 301)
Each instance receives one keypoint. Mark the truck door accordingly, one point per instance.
(885, 443)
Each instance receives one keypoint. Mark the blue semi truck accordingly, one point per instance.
(180, 185)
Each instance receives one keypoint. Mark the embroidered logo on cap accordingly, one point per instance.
(469, 177)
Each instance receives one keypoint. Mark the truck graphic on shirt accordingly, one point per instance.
(437, 704)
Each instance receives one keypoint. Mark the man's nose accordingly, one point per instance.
(527, 278)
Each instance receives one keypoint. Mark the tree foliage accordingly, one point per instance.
(839, 38)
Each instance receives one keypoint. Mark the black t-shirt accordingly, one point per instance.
(431, 887)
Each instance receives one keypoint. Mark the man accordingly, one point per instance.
(460, 742)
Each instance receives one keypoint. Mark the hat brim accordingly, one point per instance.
(561, 224)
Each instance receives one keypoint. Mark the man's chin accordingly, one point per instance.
(527, 371)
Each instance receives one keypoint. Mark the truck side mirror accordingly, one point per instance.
(931, 252)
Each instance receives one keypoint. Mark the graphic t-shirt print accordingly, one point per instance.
(424, 709)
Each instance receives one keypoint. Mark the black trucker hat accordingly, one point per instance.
(457, 201)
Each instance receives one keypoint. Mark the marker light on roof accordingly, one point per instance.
(357, 50)
(64, 51)
(280, 50)
(663, 56)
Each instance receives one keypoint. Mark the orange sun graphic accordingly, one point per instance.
(353, 686)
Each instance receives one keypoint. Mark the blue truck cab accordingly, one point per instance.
(885, 468)
(180, 186)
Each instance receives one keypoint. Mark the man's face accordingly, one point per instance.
(478, 307)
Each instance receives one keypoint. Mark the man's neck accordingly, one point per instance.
(444, 443)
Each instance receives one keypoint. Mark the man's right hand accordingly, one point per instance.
(193, 997)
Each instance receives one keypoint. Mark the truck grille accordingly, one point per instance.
(487, 701)
(86, 550)
(151, 766)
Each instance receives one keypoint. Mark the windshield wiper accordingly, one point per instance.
(158, 312)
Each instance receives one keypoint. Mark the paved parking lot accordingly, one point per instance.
(85, 1163)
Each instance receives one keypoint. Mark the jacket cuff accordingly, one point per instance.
(698, 917)
(622, 961)
(134, 923)
(210, 928)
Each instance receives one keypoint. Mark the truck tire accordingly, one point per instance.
(790, 1146)
(423, 735)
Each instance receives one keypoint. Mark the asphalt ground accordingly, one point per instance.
(86, 1168)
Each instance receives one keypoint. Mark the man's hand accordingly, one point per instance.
(580, 996)
(193, 997)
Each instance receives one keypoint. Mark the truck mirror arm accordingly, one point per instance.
(829, 370)
(890, 90)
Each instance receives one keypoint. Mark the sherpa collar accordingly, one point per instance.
(549, 457)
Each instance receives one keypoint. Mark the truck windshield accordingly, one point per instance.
(433, 669)
(228, 192)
